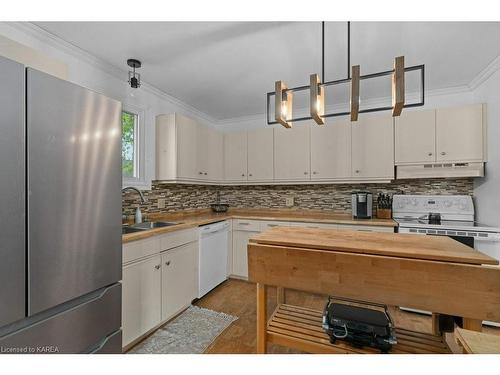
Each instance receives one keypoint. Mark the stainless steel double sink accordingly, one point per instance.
(145, 226)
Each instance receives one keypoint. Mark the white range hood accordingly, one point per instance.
(441, 170)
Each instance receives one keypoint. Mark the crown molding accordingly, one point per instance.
(486, 73)
(58, 43)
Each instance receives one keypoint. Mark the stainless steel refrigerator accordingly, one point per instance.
(60, 215)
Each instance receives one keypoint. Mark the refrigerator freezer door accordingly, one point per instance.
(12, 192)
(74, 191)
(80, 326)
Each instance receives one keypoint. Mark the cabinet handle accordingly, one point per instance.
(158, 266)
(430, 154)
(200, 172)
(315, 172)
(167, 263)
(205, 173)
(244, 223)
(306, 172)
(443, 153)
(357, 170)
(242, 175)
(250, 175)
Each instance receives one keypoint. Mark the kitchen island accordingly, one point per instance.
(429, 273)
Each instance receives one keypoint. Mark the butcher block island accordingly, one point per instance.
(431, 273)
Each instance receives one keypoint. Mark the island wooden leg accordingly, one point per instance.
(281, 295)
(261, 319)
(436, 329)
(473, 324)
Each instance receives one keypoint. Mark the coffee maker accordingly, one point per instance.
(361, 203)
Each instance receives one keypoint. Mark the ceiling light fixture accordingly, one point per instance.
(283, 94)
(134, 79)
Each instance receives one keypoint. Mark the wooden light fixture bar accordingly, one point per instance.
(355, 74)
(398, 86)
(283, 104)
(283, 95)
(317, 99)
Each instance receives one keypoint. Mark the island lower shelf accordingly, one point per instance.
(300, 328)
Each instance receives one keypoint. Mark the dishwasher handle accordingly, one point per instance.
(212, 228)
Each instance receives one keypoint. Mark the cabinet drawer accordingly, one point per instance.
(140, 249)
(314, 225)
(178, 238)
(265, 225)
(246, 225)
(366, 228)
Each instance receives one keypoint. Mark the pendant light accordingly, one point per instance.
(284, 95)
(134, 79)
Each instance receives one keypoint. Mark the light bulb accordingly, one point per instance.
(284, 109)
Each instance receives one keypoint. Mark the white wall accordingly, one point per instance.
(87, 71)
(487, 189)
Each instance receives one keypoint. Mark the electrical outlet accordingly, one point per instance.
(289, 202)
(161, 202)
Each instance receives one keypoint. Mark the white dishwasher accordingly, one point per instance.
(213, 243)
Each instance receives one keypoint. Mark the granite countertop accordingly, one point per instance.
(195, 218)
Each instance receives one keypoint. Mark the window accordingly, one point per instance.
(130, 145)
(134, 147)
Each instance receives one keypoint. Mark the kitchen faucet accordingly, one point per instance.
(138, 213)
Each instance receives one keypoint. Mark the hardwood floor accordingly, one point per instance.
(237, 297)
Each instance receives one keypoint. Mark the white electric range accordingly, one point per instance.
(445, 215)
(441, 215)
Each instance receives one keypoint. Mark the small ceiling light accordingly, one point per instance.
(134, 79)
(317, 100)
(283, 104)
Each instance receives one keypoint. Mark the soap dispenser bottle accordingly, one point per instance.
(138, 215)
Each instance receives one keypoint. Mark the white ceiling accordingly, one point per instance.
(224, 69)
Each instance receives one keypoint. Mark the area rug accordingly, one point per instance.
(190, 333)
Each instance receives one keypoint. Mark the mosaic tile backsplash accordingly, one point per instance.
(317, 197)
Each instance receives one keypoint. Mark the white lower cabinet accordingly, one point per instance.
(141, 305)
(240, 258)
(179, 279)
(157, 285)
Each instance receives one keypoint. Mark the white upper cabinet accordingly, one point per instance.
(235, 156)
(209, 154)
(186, 150)
(187, 147)
(215, 157)
(442, 135)
(460, 134)
(373, 147)
(260, 155)
(292, 153)
(331, 150)
(415, 137)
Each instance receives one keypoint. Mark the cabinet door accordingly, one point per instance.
(215, 153)
(373, 147)
(260, 155)
(292, 153)
(235, 156)
(202, 152)
(179, 279)
(415, 138)
(459, 133)
(331, 150)
(240, 258)
(141, 303)
(187, 148)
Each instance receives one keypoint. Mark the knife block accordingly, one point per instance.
(384, 213)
